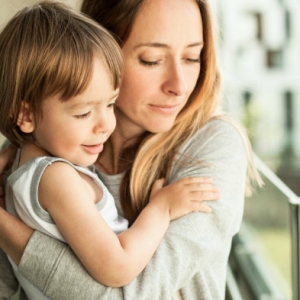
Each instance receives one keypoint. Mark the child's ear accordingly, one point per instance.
(26, 118)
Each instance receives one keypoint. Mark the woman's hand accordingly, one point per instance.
(7, 156)
(14, 234)
(185, 195)
(2, 202)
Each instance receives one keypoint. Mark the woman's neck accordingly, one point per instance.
(112, 160)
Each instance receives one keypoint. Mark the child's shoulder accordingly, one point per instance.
(60, 170)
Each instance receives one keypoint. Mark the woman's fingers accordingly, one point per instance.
(6, 157)
(2, 203)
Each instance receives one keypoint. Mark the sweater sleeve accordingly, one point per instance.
(8, 282)
(191, 245)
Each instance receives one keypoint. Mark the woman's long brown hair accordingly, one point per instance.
(153, 156)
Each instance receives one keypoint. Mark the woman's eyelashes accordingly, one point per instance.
(150, 63)
(193, 60)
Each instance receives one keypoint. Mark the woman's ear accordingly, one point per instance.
(26, 118)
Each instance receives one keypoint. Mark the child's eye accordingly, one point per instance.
(112, 104)
(82, 116)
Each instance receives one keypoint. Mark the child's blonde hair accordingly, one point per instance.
(45, 50)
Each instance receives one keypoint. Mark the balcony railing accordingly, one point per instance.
(251, 276)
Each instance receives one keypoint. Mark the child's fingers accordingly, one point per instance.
(198, 188)
(202, 207)
(192, 180)
(202, 187)
(205, 195)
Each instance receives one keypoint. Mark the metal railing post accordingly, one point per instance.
(295, 239)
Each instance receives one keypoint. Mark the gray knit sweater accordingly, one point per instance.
(193, 254)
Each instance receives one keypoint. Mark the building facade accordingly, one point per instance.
(259, 54)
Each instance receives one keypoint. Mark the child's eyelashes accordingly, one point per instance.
(112, 104)
(82, 116)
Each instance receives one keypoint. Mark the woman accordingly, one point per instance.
(166, 127)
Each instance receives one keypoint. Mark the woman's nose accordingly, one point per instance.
(176, 82)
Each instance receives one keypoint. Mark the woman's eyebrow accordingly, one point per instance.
(195, 45)
(155, 45)
(162, 45)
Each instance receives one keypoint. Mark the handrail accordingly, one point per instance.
(295, 237)
(273, 178)
(246, 271)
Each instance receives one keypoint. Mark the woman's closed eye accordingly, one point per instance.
(149, 63)
(193, 60)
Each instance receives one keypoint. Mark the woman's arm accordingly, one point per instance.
(192, 255)
(14, 235)
(8, 282)
(19, 235)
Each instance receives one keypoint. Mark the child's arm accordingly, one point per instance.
(114, 260)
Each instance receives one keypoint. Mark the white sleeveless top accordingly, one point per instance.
(22, 201)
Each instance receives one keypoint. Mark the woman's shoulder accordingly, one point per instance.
(214, 149)
(222, 125)
(219, 131)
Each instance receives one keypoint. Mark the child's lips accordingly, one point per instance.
(93, 149)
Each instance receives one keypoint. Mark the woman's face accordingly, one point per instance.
(162, 65)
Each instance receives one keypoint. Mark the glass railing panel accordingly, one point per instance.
(267, 217)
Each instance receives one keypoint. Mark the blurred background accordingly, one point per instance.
(259, 51)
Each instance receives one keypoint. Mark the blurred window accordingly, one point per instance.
(258, 19)
(289, 107)
(274, 59)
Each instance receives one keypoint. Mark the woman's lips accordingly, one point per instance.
(165, 109)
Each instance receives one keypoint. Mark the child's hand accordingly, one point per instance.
(185, 196)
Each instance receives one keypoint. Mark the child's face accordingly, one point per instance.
(76, 129)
